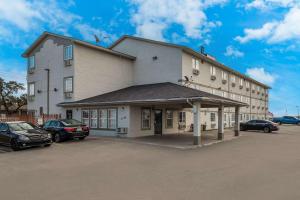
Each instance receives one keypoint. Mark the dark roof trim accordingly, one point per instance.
(190, 51)
(204, 99)
(80, 42)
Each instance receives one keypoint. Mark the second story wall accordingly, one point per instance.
(97, 72)
(155, 63)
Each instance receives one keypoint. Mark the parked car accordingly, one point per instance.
(19, 135)
(259, 125)
(286, 120)
(65, 129)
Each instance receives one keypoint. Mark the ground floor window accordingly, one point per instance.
(182, 120)
(103, 118)
(100, 118)
(146, 118)
(213, 117)
(169, 119)
(112, 118)
(94, 119)
(85, 117)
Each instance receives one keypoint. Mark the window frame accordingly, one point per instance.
(69, 54)
(88, 118)
(93, 118)
(213, 70)
(142, 115)
(64, 82)
(109, 119)
(30, 64)
(167, 118)
(224, 76)
(31, 83)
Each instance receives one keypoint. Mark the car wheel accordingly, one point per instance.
(267, 130)
(81, 138)
(14, 145)
(57, 138)
(47, 145)
(298, 123)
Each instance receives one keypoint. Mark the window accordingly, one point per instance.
(68, 52)
(224, 75)
(247, 84)
(85, 117)
(213, 91)
(233, 96)
(195, 63)
(242, 99)
(103, 118)
(169, 119)
(233, 79)
(31, 62)
(182, 120)
(94, 119)
(224, 94)
(241, 82)
(253, 87)
(212, 70)
(68, 84)
(213, 117)
(112, 118)
(31, 89)
(146, 119)
(258, 88)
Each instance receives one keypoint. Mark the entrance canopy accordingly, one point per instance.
(159, 93)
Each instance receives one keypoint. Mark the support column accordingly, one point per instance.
(237, 121)
(197, 123)
(221, 123)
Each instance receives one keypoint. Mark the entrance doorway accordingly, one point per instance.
(69, 114)
(158, 122)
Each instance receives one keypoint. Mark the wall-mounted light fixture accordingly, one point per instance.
(55, 89)
(155, 58)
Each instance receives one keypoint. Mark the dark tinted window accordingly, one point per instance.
(261, 121)
(3, 127)
(47, 124)
(70, 122)
(252, 121)
(55, 124)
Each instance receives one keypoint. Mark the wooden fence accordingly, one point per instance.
(29, 118)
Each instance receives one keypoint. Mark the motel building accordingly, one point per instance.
(139, 87)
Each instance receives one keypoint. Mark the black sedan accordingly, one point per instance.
(65, 129)
(19, 135)
(259, 125)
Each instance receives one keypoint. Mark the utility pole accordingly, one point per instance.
(48, 90)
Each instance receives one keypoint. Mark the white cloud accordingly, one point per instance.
(270, 4)
(153, 17)
(261, 75)
(233, 52)
(11, 71)
(276, 31)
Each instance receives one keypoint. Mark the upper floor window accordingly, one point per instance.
(196, 64)
(241, 82)
(213, 70)
(247, 84)
(258, 88)
(253, 87)
(224, 94)
(233, 78)
(213, 91)
(31, 62)
(224, 75)
(68, 52)
(31, 89)
(68, 84)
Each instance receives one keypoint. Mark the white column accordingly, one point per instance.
(237, 121)
(197, 123)
(221, 122)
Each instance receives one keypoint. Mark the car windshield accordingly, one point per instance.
(71, 122)
(20, 126)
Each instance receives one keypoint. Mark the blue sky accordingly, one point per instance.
(258, 37)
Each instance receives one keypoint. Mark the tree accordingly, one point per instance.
(9, 96)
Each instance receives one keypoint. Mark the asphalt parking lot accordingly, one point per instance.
(254, 166)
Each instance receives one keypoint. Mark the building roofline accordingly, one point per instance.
(80, 42)
(190, 51)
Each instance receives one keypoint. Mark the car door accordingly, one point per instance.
(251, 124)
(260, 124)
(48, 126)
(5, 136)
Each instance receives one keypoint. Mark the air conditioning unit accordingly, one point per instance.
(68, 63)
(247, 89)
(258, 92)
(233, 84)
(68, 95)
(196, 72)
(241, 87)
(224, 81)
(213, 77)
(30, 71)
(253, 106)
(122, 130)
(253, 91)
